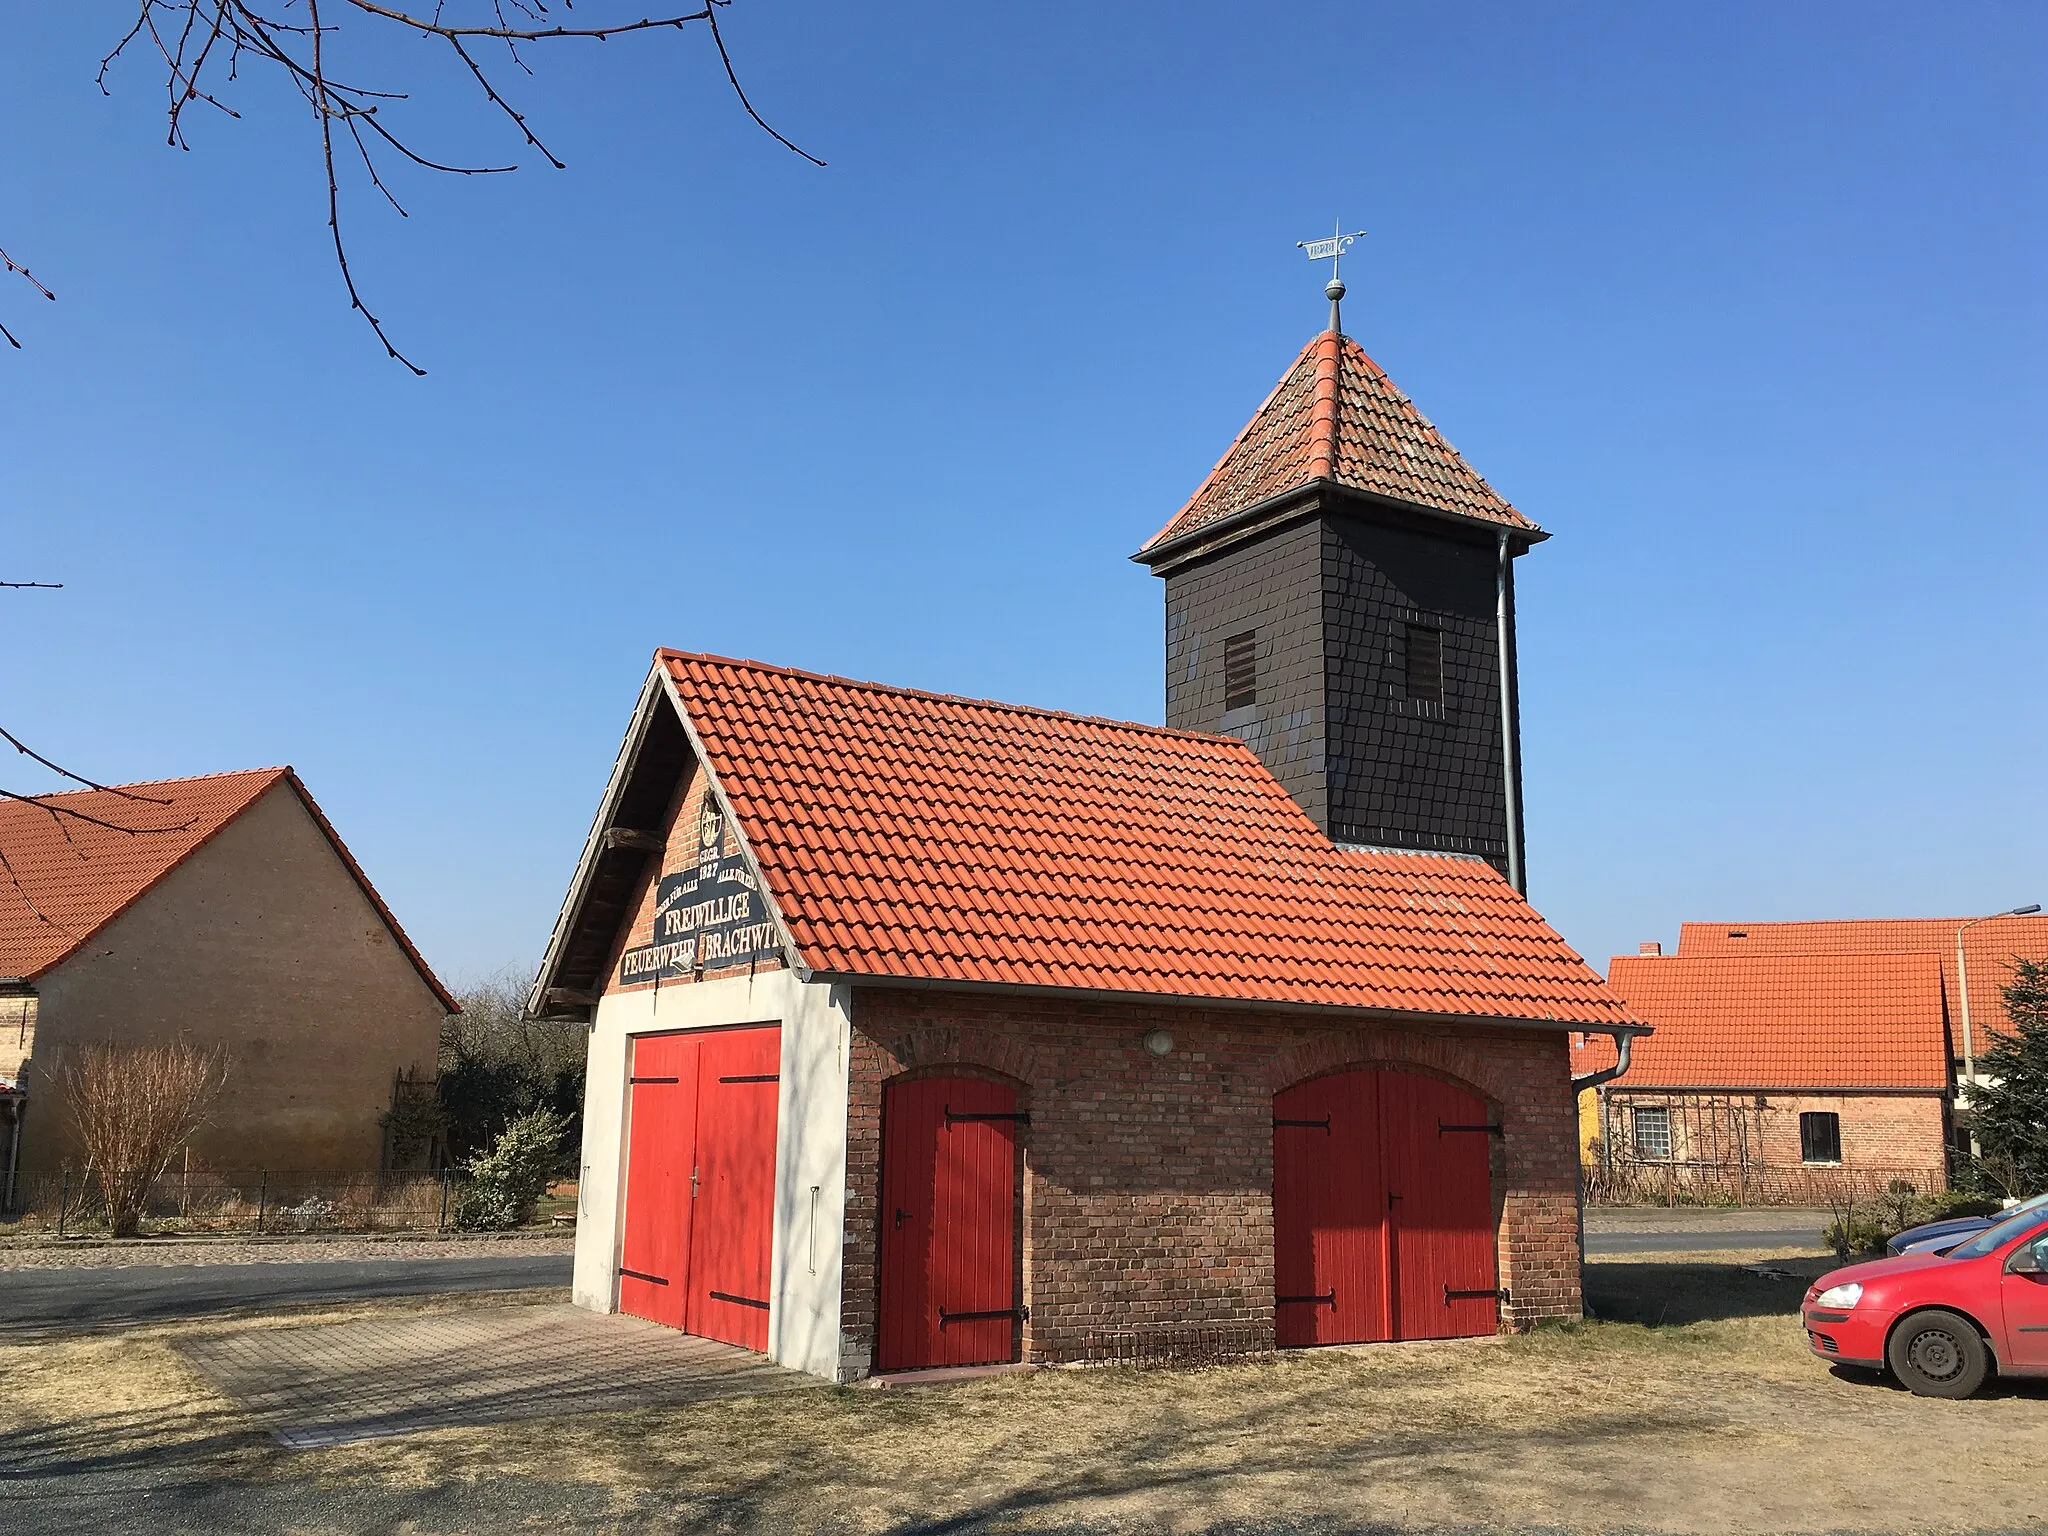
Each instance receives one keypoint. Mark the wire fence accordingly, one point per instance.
(1175, 1345)
(276, 1201)
(1632, 1182)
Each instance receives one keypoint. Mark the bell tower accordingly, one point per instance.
(1340, 595)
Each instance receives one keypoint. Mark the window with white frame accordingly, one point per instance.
(1650, 1126)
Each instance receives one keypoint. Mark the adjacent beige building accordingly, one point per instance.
(224, 910)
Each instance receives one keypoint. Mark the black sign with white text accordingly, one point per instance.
(706, 917)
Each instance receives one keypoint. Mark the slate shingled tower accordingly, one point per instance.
(1340, 595)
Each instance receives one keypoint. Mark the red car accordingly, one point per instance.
(1942, 1322)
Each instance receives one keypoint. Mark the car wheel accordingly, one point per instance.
(1938, 1354)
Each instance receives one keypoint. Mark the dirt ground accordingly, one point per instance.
(1690, 1405)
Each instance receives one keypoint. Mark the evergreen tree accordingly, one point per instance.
(2010, 1114)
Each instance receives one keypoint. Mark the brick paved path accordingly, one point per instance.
(339, 1382)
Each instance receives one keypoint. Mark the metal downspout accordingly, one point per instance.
(17, 1110)
(1623, 1042)
(1511, 786)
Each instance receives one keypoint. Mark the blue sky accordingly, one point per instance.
(1744, 303)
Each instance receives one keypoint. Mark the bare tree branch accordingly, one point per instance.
(12, 265)
(15, 742)
(194, 37)
(58, 812)
(22, 890)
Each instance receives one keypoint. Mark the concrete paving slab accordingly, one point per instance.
(339, 1382)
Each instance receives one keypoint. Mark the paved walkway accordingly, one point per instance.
(45, 1301)
(1646, 1229)
(1608, 1244)
(331, 1384)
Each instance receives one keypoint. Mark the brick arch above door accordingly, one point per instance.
(1457, 1061)
(932, 1045)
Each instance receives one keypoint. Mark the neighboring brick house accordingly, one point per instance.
(932, 1031)
(1854, 1030)
(223, 910)
(1774, 1077)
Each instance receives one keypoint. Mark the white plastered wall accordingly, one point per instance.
(810, 1146)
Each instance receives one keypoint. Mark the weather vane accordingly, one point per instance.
(1332, 249)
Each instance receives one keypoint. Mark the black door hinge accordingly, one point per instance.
(738, 1301)
(1022, 1314)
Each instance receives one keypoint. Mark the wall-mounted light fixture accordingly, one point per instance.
(1159, 1043)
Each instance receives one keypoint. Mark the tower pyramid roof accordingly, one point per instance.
(1337, 418)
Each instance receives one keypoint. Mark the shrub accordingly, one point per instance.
(1869, 1227)
(1857, 1233)
(1898, 1208)
(134, 1107)
(1958, 1202)
(497, 1064)
(506, 1181)
(310, 1215)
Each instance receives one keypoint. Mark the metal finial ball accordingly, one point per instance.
(1334, 290)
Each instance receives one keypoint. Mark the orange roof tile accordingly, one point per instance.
(1782, 1022)
(1336, 416)
(1989, 949)
(65, 877)
(920, 836)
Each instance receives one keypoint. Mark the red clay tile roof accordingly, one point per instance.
(1989, 949)
(1783, 1022)
(71, 877)
(921, 836)
(1336, 416)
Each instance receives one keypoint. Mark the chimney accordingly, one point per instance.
(1650, 947)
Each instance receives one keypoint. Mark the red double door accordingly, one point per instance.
(1382, 1211)
(949, 1223)
(700, 1182)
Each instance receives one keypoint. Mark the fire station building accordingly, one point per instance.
(932, 1031)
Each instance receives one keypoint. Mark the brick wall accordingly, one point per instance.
(260, 942)
(17, 1033)
(1148, 1182)
(1882, 1133)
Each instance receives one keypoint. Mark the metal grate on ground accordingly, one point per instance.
(335, 1383)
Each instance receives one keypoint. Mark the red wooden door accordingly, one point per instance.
(1382, 1211)
(1329, 1214)
(949, 1220)
(732, 1233)
(661, 1125)
(1436, 1147)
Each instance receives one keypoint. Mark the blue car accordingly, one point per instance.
(1940, 1236)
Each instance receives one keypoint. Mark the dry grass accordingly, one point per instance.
(1718, 1420)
